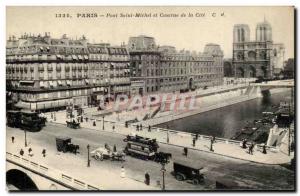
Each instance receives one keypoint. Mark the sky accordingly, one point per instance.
(183, 31)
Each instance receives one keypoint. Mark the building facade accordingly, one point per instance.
(163, 68)
(259, 58)
(44, 73)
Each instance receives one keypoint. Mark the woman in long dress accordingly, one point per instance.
(122, 172)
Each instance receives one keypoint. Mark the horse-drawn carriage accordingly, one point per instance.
(106, 153)
(73, 124)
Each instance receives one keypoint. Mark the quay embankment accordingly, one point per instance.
(212, 102)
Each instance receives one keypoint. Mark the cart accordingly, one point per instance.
(73, 125)
(184, 170)
(104, 153)
(64, 144)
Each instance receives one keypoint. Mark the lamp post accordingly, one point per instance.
(25, 138)
(103, 123)
(88, 161)
(163, 170)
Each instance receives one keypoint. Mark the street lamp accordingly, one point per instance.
(163, 159)
(88, 161)
(25, 138)
(163, 170)
(103, 123)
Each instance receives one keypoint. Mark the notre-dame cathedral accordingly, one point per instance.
(259, 58)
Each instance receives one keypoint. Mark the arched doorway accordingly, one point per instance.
(264, 71)
(240, 73)
(20, 180)
(191, 83)
(252, 72)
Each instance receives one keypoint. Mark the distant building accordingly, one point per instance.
(259, 58)
(165, 69)
(228, 68)
(289, 68)
(43, 73)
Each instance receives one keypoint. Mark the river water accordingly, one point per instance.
(226, 121)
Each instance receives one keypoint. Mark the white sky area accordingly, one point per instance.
(189, 33)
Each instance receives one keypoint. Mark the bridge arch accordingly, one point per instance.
(20, 180)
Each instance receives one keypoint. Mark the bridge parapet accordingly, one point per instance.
(206, 137)
(52, 174)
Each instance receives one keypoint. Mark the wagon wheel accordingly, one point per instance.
(96, 157)
(179, 177)
(196, 181)
(101, 157)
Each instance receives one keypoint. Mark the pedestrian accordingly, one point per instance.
(211, 144)
(30, 152)
(149, 128)
(113, 127)
(122, 172)
(147, 178)
(264, 149)
(94, 123)
(21, 152)
(12, 139)
(86, 119)
(126, 124)
(81, 119)
(115, 148)
(141, 127)
(137, 127)
(244, 143)
(44, 152)
(51, 115)
(168, 139)
(250, 148)
(197, 136)
(194, 142)
(185, 151)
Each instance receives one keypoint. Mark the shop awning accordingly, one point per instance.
(86, 57)
(22, 105)
(27, 82)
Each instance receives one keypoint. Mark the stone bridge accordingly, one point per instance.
(24, 174)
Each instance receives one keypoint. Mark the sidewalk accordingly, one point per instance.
(223, 147)
(72, 165)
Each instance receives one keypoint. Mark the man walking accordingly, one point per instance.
(211, 144)
(147, 179)
(251, 148)
(12, 139)
(185, 151)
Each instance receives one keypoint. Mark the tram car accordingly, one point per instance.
(140, 147)
(27, 120)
